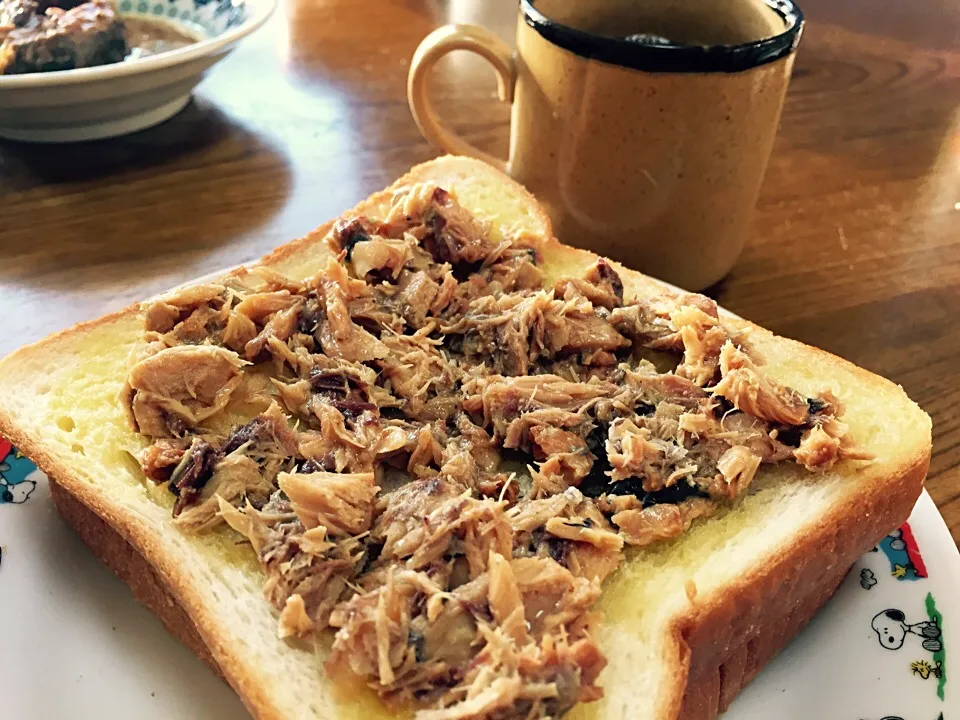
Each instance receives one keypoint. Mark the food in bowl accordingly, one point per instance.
(49, 35)
(152, 36)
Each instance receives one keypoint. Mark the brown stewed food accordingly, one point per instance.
(49, 35)
(442, 455)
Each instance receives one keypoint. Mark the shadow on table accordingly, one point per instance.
(198, 128)
(99, 213)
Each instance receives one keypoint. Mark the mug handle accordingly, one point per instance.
(434, 46)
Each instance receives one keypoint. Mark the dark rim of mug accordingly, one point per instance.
(672, 58)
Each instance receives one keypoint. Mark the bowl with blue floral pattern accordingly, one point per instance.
(211, 17)
(166, 48)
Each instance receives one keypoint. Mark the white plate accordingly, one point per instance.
(74, 644)
(120, 98)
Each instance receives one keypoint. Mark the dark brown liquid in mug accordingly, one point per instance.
(681, 22)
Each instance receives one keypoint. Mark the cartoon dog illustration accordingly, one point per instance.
(15, 493)
(15, 485)
(892, 629)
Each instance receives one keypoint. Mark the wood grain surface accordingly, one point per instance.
(856, 246)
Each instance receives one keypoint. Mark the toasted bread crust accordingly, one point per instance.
(733, 635)
(134, 569)
(139, 559)
(718, 647)
(725, 644)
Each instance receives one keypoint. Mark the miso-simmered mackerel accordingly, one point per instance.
(50, 35)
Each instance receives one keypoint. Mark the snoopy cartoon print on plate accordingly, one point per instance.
(900, 548)
(892, 629)
(895, 631)
(910, 632)
(16, 485)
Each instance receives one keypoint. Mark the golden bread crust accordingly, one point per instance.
(724, 644)
(732, 635)
(129, 565)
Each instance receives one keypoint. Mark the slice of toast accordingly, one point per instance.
(687, 622)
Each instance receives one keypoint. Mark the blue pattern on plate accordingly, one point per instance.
(16, 485)
(212, 17)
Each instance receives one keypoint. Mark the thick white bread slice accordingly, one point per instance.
(687, 624)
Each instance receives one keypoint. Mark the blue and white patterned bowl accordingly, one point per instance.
(111, 100)
(211, 17)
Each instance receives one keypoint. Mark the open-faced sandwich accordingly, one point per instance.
(428, 461)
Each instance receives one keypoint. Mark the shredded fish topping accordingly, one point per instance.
(441, 458)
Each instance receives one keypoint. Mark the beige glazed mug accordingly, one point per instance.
(644, 127)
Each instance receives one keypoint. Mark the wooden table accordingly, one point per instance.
(857, 240)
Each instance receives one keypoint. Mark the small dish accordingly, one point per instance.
(110, 100)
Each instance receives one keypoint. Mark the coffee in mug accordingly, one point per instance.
(644, 128)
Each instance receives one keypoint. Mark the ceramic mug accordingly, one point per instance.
(650, 148)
